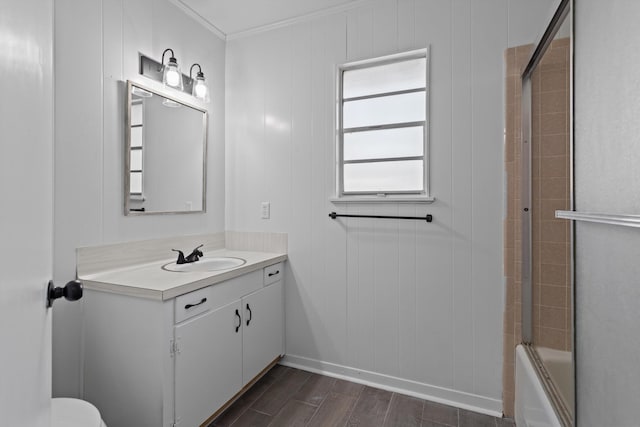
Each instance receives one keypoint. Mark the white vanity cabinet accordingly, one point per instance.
(262, 331)
(208, 371)
(151, 363)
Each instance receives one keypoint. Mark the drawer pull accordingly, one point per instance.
(273, 274)
(250, 314)
(239, 321)
(188, 306)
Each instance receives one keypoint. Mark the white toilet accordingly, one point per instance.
(67, 412)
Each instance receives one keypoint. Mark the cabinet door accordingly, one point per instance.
(262, 336)
(208, 368)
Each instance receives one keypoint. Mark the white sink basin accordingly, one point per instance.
(206, 264)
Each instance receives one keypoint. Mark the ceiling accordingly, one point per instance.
(235, 16)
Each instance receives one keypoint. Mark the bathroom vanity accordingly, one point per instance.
(167, 348)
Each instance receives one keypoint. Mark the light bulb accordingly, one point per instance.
(200, 89)
(173, 78)
(171, 75)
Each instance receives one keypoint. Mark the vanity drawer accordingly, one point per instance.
(273, 273)
(193, 303)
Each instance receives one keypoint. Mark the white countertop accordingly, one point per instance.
(149, 280)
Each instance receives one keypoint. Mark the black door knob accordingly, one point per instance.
(72, 291)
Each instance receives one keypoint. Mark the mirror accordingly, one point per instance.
(165, 153)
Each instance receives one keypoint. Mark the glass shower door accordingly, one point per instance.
(547, 187)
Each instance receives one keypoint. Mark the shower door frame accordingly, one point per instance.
(563, 12)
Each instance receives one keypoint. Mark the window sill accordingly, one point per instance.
(387, 199)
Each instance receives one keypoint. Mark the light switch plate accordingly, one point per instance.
(266, 210)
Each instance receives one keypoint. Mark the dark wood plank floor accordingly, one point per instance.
(291, 397)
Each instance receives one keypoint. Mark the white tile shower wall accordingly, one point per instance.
(94, 55)
(416, 301)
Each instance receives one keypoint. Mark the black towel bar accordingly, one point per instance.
(428, 217)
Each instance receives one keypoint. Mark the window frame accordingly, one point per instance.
(388, 196)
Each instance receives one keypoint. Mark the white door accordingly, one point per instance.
(263, 334)
(208, 367)
(26, 172)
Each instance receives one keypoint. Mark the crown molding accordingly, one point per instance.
(297, 19)
(202, 21)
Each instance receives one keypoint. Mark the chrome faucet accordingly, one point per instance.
(192, 257)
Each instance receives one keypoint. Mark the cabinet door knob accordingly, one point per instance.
(239, 320)
(273, 274)
(250, 314)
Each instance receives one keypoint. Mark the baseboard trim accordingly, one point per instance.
(469, 401)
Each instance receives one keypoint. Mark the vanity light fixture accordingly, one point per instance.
(171, 75)
(199, 85)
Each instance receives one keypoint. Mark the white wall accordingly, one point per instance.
(416, 305)
(96, 51)
(607, 154)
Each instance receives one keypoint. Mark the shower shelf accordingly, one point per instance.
(602, 218)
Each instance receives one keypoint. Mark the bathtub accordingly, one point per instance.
(532, 406)
(558, 365)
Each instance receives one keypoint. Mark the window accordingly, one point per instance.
(383, 132)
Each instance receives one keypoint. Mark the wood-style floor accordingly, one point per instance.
(291, 397)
